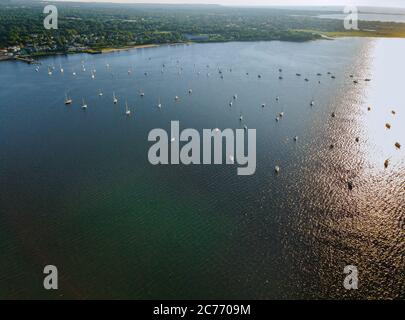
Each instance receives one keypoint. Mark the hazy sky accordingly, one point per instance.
(386, 3)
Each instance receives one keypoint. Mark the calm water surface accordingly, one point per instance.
(77, 190)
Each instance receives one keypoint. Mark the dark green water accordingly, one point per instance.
(78, 192)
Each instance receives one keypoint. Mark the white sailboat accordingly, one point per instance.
(159, 104)
(68, 100)
(100, 93)
(115, 100)
(127, 110)
(84, 105)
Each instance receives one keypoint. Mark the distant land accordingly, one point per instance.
(101, 27)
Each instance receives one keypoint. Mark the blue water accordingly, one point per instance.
(77, 190)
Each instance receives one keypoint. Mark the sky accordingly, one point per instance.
(385, 3)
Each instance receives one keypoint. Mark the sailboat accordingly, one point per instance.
(159, 104)
(115, 100)
(84, 105)
(68, 100)
(100, 93)
(127, 111)
(61, 69)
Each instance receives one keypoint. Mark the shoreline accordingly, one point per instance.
(323, 36)
(36, 57)
(142, 46)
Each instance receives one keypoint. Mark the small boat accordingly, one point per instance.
(355, 82)
(397, 145)
(240, 118)
(280, 78)
(230, 104)
(277, 169)
(388, 126)
(333, 77)
(393, 112)
(277, 119)
(100, 93)
(84, 105)
(333, 115)
(369, 109)
(281, 114)
(350, 185)
(312, 103)
(235, 97)
(231, 158)
(298, 74)
(306, 79)
(263, 105)
(190, 91)
(245, 127)
(367, 80)
(115, 100)
(216, 130)
(177, 98)
(127, 110)
(159, 104)
(280, 70)
(319, 74)
(74, 73)
(296, 138)
(357, 139)
(259, 76)
(68, 100)
(386, 163)
(142, 94)
(277, 98)
(332, 146)
(172, 140)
